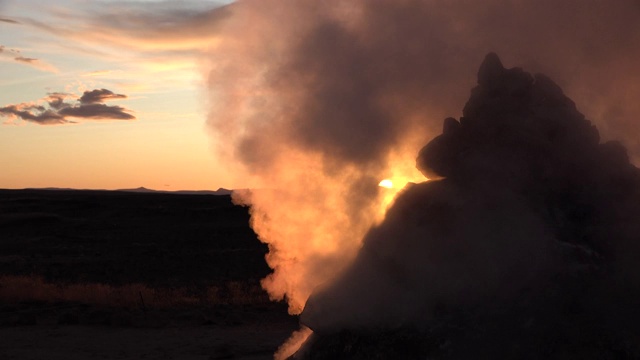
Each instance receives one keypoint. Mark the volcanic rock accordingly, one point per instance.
(524, 245)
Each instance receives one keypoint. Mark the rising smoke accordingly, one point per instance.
(313, 103)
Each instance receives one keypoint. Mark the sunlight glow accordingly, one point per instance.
(386, 183)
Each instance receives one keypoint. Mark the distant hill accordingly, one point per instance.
(220, 191)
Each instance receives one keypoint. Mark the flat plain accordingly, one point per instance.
(125, 275)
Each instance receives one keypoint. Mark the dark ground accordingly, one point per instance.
(102, 275)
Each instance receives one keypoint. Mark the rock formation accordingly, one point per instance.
(525, 246)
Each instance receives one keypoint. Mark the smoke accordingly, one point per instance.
(294, 343)
(312, 103)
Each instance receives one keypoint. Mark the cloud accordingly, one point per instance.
(96, 111)
(35, 114)
(88, 106)
(97, 73)
(56, 100)
(10, 21)
(16, 55)
(158, 45)
(191, 26)
(99, 95)
(26, 59)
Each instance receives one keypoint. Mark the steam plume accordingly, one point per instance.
(321, 100)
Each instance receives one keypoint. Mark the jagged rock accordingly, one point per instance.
(491, 71)
(511, 119)
(526, 246)
(450, 125)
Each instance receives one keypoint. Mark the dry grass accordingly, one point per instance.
(34, 288)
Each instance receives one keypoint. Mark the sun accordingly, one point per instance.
(386, 183)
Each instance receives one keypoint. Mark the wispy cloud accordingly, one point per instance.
(10, 21)
(16, 56)
(97, 73)
(26, 59)
(134, 47)
(133, 26)
(57, 111)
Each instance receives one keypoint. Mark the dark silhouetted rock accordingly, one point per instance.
(526, 246)
(450, 125)
(491, 71)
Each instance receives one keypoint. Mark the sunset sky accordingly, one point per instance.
(141, 121)
(170, 95)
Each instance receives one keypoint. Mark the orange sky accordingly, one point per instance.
(154, 122)
(148, 52)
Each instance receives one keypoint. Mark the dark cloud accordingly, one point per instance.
(89, 106)
(56, 100)
(10, 21)
(37, 115)
(99, 96)
(96, 111)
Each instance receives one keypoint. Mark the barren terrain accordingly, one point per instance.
(119, 275)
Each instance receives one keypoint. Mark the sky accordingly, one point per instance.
(106, 94)
(120, 94)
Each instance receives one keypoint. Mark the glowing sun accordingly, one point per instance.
(386, 183)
